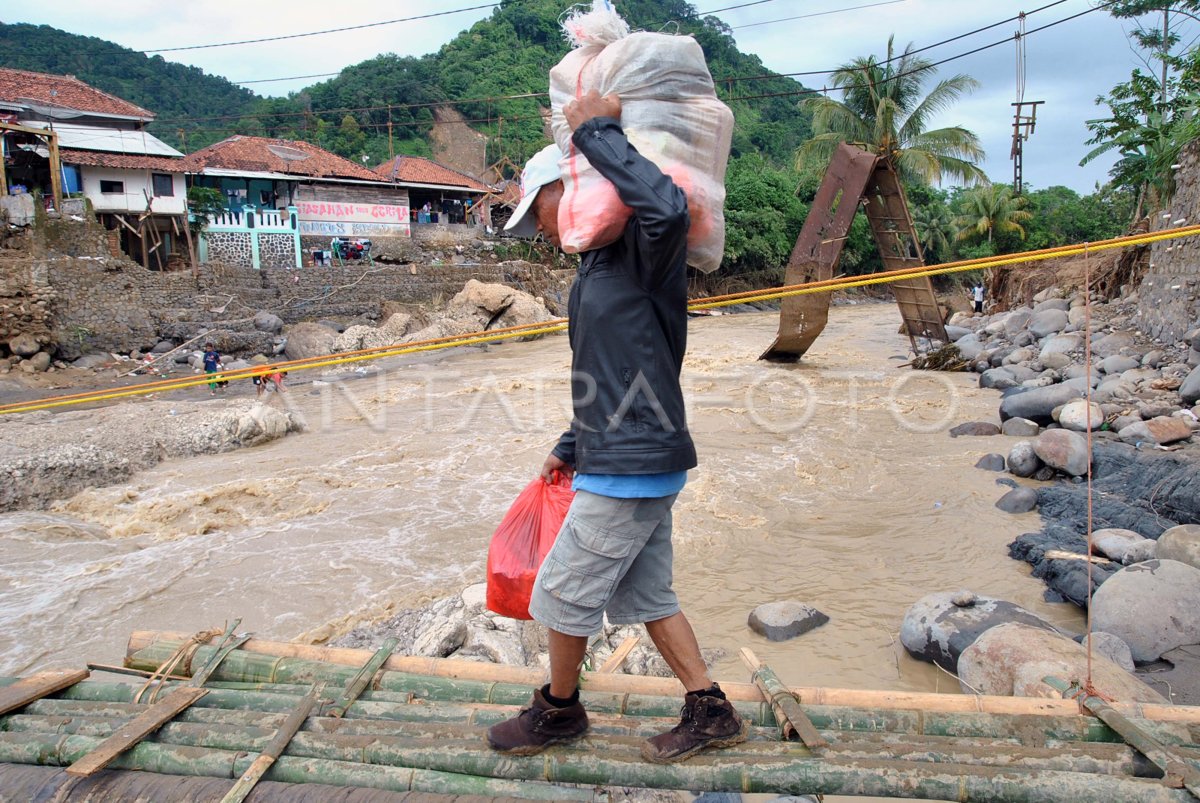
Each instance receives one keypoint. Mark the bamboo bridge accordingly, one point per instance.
(220, 716)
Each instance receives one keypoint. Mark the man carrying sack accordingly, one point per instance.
(628, 446)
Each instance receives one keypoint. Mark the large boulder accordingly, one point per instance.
(1181, 544)
(495, 306)
(40, 362)
(1117, 364)
(1061, 304)
(268, 322)
(1151, 606)
(1048, 322)
(1018, 500)
(1190, 389)
(1159, 430)
(1063, 450)
(1114, 542)
(1061, 344)
(1012, 659)
(1015, 321)
(1020, 428)
(1080, 415)
(780, 621)
(997, 379)
(1112, 344)
(1023, 460)
(308, 340)
(24, 345)
(1037, 404)
(939, 626)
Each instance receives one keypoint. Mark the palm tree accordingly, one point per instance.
(992, 210)
(883, 111)
(934, 231)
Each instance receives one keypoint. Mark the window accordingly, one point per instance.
(164, 185)
(112, 187)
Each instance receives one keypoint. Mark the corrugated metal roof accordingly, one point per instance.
(109, 140)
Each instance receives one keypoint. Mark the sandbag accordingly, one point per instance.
(670, 113)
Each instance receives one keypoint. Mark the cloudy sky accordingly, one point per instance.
(1068, 65)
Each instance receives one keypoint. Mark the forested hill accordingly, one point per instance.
(509, 53)
(168, 89)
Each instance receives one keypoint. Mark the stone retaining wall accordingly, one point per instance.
(1169, 297)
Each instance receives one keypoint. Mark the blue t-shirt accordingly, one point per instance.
(211, 358)
(631, 486)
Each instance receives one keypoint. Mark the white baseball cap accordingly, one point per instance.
(540, 170)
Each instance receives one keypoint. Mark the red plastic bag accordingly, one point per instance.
(521, 543)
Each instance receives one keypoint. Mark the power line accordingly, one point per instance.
(319, 33)
(816, 14)
(289, 78)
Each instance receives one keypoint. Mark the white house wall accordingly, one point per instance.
(138, 184)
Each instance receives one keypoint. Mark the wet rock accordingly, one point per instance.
(1114, 542)
(975, 428)
(1161, 430)
(1020, 428)
(1151, 606)
(308, 340)
(1012, 659)
(1111, 647)
(1080, 416)
(1063, 450)
(991, 462)
(1037, 404)
(268, 322)
(939, 626)
(1180, 544)
(1018, 500)
(1023, 460)
(24, 345)
(1189, 391)
(1110, 345)
(1047, 322)
(780, 621)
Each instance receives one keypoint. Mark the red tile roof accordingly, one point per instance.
(418, 170)
(123, 161)
(64, 91)
(263, 155)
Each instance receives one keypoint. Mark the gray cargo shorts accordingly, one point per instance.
(611, 556)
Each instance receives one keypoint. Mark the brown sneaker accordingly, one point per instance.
(538, 726)
(705, 722)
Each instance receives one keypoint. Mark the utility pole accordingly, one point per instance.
(182, 138)
(1024, 121)
(391, 149)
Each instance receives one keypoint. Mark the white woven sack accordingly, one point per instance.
(670, 113)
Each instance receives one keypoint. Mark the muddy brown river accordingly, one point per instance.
(832, 482)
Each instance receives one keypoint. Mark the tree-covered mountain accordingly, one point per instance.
(168, 89)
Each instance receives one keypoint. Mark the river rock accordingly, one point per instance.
(1018, 500)
(1064, 450)
(496, 306)
(24, 345)
(94, 360)
(1117, 364)
(957, 332)
(1161, 430)
(1020, 428)
(1181, 544)
(991, 462)
(1047, 322)
(1015, 321)
(1076, 415)
(969, 347)
(1141, 551)
(1055, 360)
(1023, 460)
(1061, 344)
(1114, 542)
(1060, 304)
(1152, 606)
(268, 322)
(1037, 404)
(1189, 391)
(780, 621)
(939, 626)
(997, 378)
(308, 340)
(1111, 647)
(1012, 659)
(39, 362)
(1110, 345)
(977, 428)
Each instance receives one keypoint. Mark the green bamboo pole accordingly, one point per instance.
(325, 740)
(192, 761)
(1026, 727)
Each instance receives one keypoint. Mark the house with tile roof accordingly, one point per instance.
(133, 181)
(334, 197)
(449, 193)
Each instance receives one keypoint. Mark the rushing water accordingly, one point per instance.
(832, 482)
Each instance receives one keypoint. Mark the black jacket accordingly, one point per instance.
(628, 323)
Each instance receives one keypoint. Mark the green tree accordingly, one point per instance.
(884, 110)
(935, 232)
(763, 217)
(991, 213)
